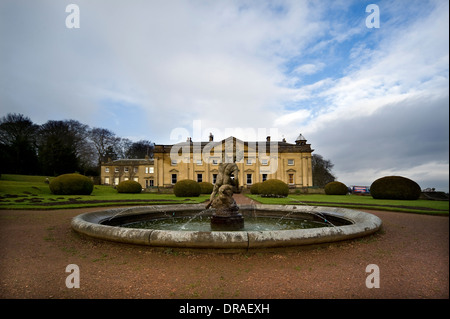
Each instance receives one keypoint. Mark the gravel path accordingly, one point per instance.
(411, 252)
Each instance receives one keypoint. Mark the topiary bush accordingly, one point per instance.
(71, 184)
(206, 187)
(129, 187)
(187, 188)
(254, 189)
(395, 187)
(273, 188)
(336, 188)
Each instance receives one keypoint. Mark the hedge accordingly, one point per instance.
(255, 188)
(71, 184)
(273, 188)
(206, 187)
(130, 187)
(187, 188)
(395, 187)
(336, 188)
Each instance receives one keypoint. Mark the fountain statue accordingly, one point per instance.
(226, 214)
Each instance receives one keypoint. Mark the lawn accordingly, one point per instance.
(31, 192)
(362, 202)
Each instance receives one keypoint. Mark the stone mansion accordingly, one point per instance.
(257, 162)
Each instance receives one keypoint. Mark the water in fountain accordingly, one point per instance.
(200, 223)
(118, 213)
(131, 208)
(183, 227)
(283, 217)
(320, 215)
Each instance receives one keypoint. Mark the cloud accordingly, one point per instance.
(298, 117)
(388, 112)
(145, 68)
(397, 139)
(309, 68)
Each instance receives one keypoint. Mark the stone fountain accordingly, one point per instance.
(227, 222)
(225, 214)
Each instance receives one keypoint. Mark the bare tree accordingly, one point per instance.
(321, 171)
(104, 142)
(140, 149)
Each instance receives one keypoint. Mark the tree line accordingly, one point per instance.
(59, 147)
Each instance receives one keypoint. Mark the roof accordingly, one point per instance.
(131, 161)
(300, 138)
(282, 145)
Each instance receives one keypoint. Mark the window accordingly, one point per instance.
(136, 179)
(106, 180)
(106, 169)
(199, 162)
(174, 178)
(116, 170)
(215, 162)
(174, 162)
(249, 161)
(249, 179)
(149, 170)
(265, 162)
(125, 169)
(135, 169)
(149, 183)
(290, 162)
(116, 181)
(199, 178)
(214, 178)
(291, 178)
(264, 177)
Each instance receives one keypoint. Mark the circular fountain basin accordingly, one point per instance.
(334, 224)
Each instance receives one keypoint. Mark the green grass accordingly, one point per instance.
(31, 192)
(360, 202)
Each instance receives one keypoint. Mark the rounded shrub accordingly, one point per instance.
(71, 184)
(130, 187)
(336, 188)
(187, 188)
(206, 187)
(254, 189)
(273, 188)
(395, 187)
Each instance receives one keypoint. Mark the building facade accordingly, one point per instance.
(199, 161)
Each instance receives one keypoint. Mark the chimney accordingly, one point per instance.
(268, 138)
(211, 137)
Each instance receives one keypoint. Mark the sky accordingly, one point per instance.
(371, 98)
